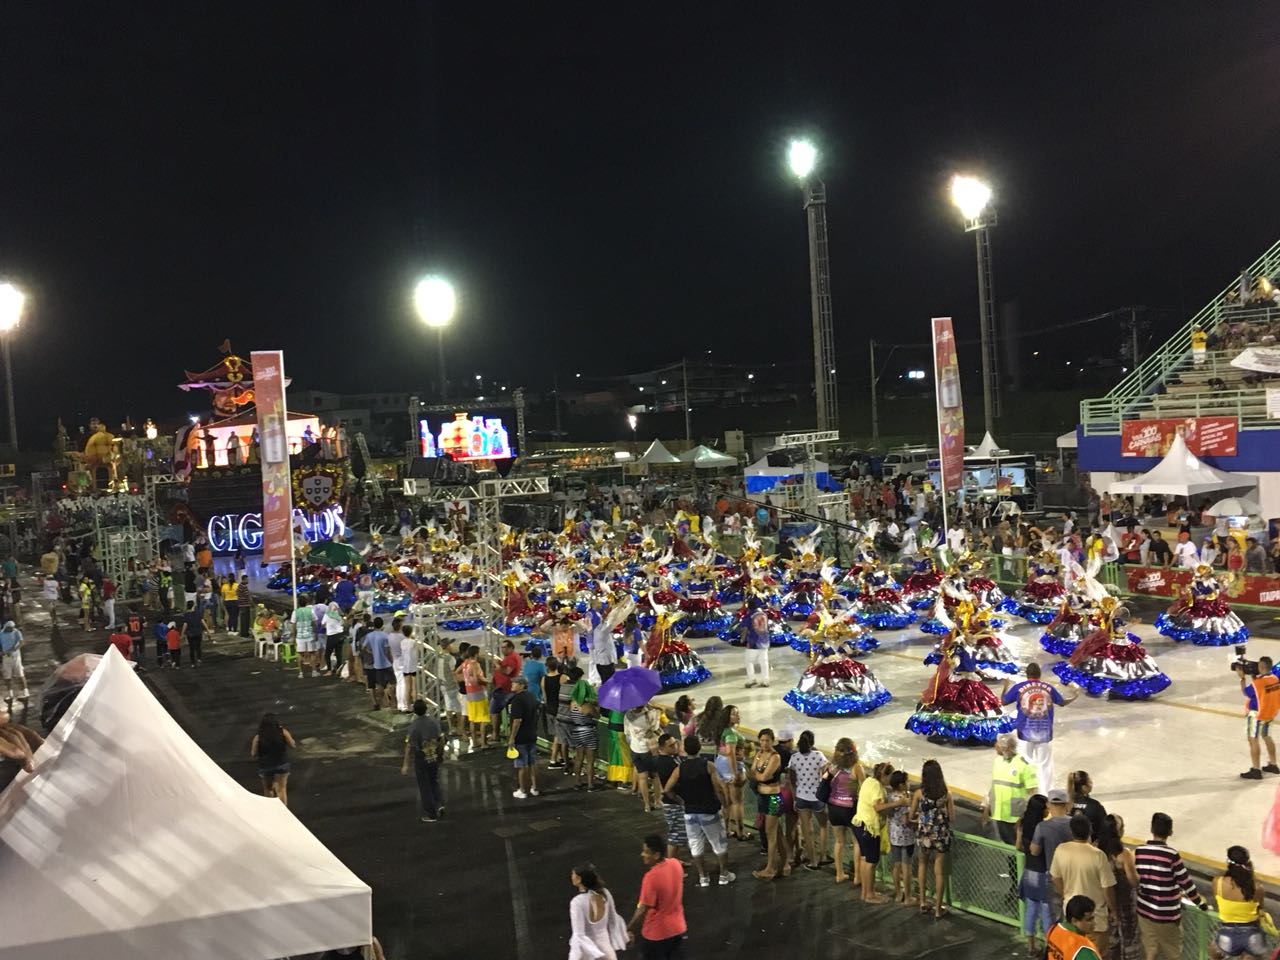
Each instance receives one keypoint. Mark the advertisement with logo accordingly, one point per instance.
(946, 370)
(469, 435)
(1204, 436)
(277, 499)
(1257, 589)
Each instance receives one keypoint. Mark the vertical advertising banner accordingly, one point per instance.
(946, 378)
(277, 498)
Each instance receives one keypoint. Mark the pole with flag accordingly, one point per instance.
(946, 380)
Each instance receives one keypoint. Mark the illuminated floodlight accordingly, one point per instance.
(435, 300)
(802, 157)
(12, 301)
(970, 195)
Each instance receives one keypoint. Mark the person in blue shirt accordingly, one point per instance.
(345, 594)
(378, 674)
(534, 671)
(1035, 700)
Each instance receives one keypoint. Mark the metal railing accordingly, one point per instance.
(1102, 415)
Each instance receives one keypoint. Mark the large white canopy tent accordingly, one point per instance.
(987, 448)
(1182, 474)
(704, 458)
(657, 453)
(128, 841)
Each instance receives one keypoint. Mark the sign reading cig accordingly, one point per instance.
(229, 532)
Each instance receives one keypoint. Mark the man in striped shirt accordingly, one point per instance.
(1162, 881)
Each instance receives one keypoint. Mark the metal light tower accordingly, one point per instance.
(802, 158)
(973, 198)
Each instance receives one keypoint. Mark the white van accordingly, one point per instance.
(908, 461)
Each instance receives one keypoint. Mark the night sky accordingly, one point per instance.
(605, 182)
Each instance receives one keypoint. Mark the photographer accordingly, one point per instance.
(1262, 702)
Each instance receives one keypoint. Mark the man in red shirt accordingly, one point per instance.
(660, 912)
(122, 642)
(511, 665)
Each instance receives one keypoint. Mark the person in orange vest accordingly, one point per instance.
(1262, 703)
(1070, 939)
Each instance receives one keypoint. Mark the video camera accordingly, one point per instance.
(1242, 665)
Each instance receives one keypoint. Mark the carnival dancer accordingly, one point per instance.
(921, 588)
(1041, 598)
(844, 624)
(703, 614)
(676, 664)
(879, 604)
(986, 644)
(957, 707)
(1202, 615)
(1112, 660)
(519, 615)
(836, 684)
(964, 581)
(780, 634)
(1079, 613)
(804, 575)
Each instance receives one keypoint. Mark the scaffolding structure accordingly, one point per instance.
(486, 496)
(807, 498)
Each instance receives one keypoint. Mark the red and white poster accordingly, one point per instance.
(946, 378)
(1205, 436)
(277, 498)
(1256, 589)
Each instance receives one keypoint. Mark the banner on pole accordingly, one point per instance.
(277, 498)
(946, 378)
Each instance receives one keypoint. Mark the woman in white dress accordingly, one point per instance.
(596, 930)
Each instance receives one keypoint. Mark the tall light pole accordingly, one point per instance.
(436, 302)
(802, 157)
(972, 198)
(12, 300)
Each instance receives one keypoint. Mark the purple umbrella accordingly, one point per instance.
(630, 688)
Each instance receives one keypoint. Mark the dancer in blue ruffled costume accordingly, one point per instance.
(1202, 615)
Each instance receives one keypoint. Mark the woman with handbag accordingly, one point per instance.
(838, 789)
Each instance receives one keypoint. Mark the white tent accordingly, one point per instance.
(704, 458)
(1260, 359)
(657, 453)
(988, 447)
(1068, 441)
(1181, 473)
(128, 841)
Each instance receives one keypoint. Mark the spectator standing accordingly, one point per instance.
(843, 776)
(868, 821)
(270, 747)
(1162, 881)
(379, 674)
(1122, 939)
(405, 647)
(304, 634)
(1079, 788)
(535, 672)
(244, 607)
(424, 749)
(11, 661)
(1185, 555)
(902, 837)
(335, 627)
(1013, 782)
(933, 811)
(805, 772)
(1033, 885)
(1050, 834)
(665, 765)
(476, 690)
(583, 729)
(1035, 700)
(193, 630)
(702, 796)
(109, 602)
(133, 627)
(1078, 868)
(659, 915)
(1159, 554)
(522, 738)
(508, 667)
(766, 774)
(1255, 557)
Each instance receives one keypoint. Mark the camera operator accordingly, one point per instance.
(1262, 702)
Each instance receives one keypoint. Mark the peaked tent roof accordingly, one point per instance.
(1182, 474)
(987, 447)
(129, 841)
(657, 453)
(704, 457)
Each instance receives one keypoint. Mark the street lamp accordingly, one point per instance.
(802, 158)
(12, 300)
(436, 302)
(972, 197)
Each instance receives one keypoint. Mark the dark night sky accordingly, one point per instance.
(604, 181)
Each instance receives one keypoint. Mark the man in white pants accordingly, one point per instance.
(1035, 700)
(756, 635)
(11, 660)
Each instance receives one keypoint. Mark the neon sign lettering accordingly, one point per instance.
(229, 532)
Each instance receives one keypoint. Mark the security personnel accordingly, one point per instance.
(1262, 703)
(1070, 939)
(1013, 780)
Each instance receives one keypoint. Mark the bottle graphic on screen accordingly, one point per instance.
(949, 387)
(274, 448)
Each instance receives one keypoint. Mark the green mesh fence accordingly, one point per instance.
(983, 878)
(1197, 927)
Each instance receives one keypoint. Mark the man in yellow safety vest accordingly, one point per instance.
(1013, 780)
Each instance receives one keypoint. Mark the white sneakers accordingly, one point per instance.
(520, 795)
(727, 877)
